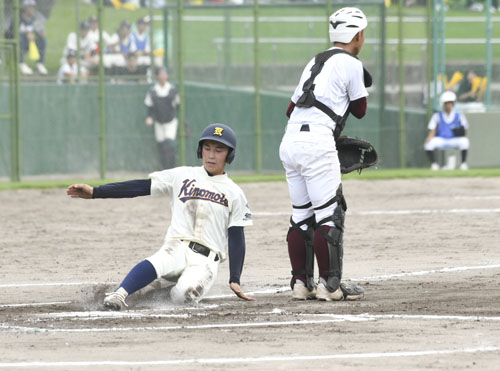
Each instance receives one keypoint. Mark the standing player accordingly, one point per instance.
(447, 129)
(162, 100)
(332, 85)
(208, 211)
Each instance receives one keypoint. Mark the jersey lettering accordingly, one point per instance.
(189, 191)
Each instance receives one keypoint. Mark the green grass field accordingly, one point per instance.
(200, 35)
(370, 174)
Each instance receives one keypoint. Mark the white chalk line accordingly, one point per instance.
(97, 315)
(281, 358)
(34, 304)
(11, 328)
(395, 212)
(34, 284)
(492, 197)
(387, 277)
(332, 318)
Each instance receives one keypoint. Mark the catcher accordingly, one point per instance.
(333, 84)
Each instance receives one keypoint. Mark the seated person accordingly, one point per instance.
(122, 41)
(131, 70)
(32, 37)
(88, 56)
(68, 72)
(472, 88)
(447, 130)
(141, 37)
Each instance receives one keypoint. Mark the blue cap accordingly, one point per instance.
(220, 133)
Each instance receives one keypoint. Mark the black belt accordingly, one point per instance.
(305, 127)
(200, 249)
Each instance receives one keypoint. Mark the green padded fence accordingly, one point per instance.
(61, 130)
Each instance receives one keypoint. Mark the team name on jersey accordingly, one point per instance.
(189, 191)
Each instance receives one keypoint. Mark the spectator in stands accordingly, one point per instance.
(141, 37)
(68, 72)
(471, 89)
(132, 71)
(88, 57)
(478, 6)
(32, 37)
(94, 34)
(447, 129)
(163, 101)
(122, 41)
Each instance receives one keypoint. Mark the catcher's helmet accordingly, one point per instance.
(220, 133)
(447, 96)
(345, 23)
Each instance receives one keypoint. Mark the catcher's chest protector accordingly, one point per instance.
(308, 99)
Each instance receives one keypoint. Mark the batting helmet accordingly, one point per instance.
(345, 23)
(220, 133)
(447, 96)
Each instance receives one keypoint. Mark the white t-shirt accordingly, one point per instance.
(203, 206)
(339, 82)
(86, 44)
(65, 70)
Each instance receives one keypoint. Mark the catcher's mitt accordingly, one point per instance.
(355, 154)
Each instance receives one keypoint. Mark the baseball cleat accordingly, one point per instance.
(434, 166)
(301, 292)
(324, 294)
(115, 301)
(351, 291)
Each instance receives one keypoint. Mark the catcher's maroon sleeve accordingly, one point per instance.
(358, 107)
(290, 108)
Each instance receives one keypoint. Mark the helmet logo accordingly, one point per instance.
(334, 25)
(218, 131)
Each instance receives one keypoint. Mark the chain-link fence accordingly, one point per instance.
(86, 68)
(83, 96)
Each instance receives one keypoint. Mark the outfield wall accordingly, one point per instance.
(60, 130)
(484, 133)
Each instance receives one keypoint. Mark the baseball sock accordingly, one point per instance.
(297, 253)
(140, 276)
(464, 155)
(430, 156)
(321, 251)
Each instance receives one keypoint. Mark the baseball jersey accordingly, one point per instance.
(203, 206)
(444, 123)
(163, 102)
(339, 82)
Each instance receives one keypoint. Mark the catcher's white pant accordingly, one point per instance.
(196, 273)
(461, 143)
(312, 169)
(166, 131)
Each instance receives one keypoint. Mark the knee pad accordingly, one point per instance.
(334, 237)
(308, 236)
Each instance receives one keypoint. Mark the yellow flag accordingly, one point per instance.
(33, 53)
(476, 82)
(455, 79)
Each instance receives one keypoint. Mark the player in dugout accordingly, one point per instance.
(209, 213)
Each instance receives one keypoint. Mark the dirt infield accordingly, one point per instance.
(426, 251)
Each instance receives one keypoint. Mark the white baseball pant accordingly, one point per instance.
(196, 273)
(312, 170)
(461, 143)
